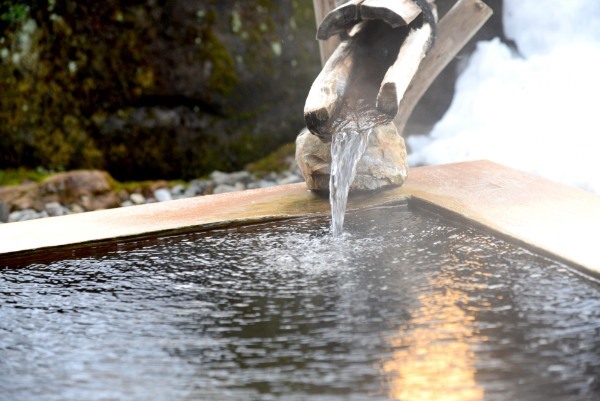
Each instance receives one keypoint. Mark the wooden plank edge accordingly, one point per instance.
(454, 30)
(483, 194)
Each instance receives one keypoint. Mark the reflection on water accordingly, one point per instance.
(402, 306)
(434, 357)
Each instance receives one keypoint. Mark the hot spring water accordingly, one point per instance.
(404, 306)
(347, 147)
(349, 140)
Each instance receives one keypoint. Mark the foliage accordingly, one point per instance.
(74, 75)
(13, 11)
(22, 175)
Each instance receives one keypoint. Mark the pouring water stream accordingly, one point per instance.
(347, 148)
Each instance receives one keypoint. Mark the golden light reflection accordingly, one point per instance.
(433, 358)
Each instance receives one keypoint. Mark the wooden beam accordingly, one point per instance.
(455, 29)
(394, 12)
(401, 73)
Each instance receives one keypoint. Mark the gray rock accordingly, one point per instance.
(126, 203)
(223, 188)
(137, 199)
(272, 176)
(199, 187)
(221, 178)
(192, 191)
(266, 183)
(162, 195)
(383, 163)
(75, 208)
(23, 215)
(54, 209)
(4, 212)
(177, 190)
(89, 188)
(289, 179)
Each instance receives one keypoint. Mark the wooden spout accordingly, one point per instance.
(406, 74)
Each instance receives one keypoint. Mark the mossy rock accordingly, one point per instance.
(75, 74)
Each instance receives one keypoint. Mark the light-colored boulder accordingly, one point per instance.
(89, 188)
(383, 163)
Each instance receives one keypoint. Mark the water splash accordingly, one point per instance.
(347, 148)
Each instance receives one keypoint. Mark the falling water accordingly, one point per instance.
(347, 148)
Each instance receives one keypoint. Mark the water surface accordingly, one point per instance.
(402, 306)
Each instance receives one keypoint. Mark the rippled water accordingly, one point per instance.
(402, 306)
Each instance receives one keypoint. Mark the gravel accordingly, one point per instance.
(218, 182)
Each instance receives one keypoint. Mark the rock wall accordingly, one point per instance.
(152, 89)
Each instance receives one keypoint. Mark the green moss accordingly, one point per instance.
(13, 11)
(278, 161)
(131, 186)
(22, 175)
(223, 78)
(85, 61)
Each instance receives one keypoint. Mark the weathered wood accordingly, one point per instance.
(552, 218)
(397, 90)
(453, 32)
(326, 47)
(401, 73)
(395, 12)
(328, 89)
(340, 20)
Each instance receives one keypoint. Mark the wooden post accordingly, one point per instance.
(322, 8)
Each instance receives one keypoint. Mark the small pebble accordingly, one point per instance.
(54, 209)
(25, 214)
(218, 183)
(137, 199)
(266, 183)
(162, 195)
(221, 178)
(292, 179)
(177, 190)
(75, 208)
(223, 188)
